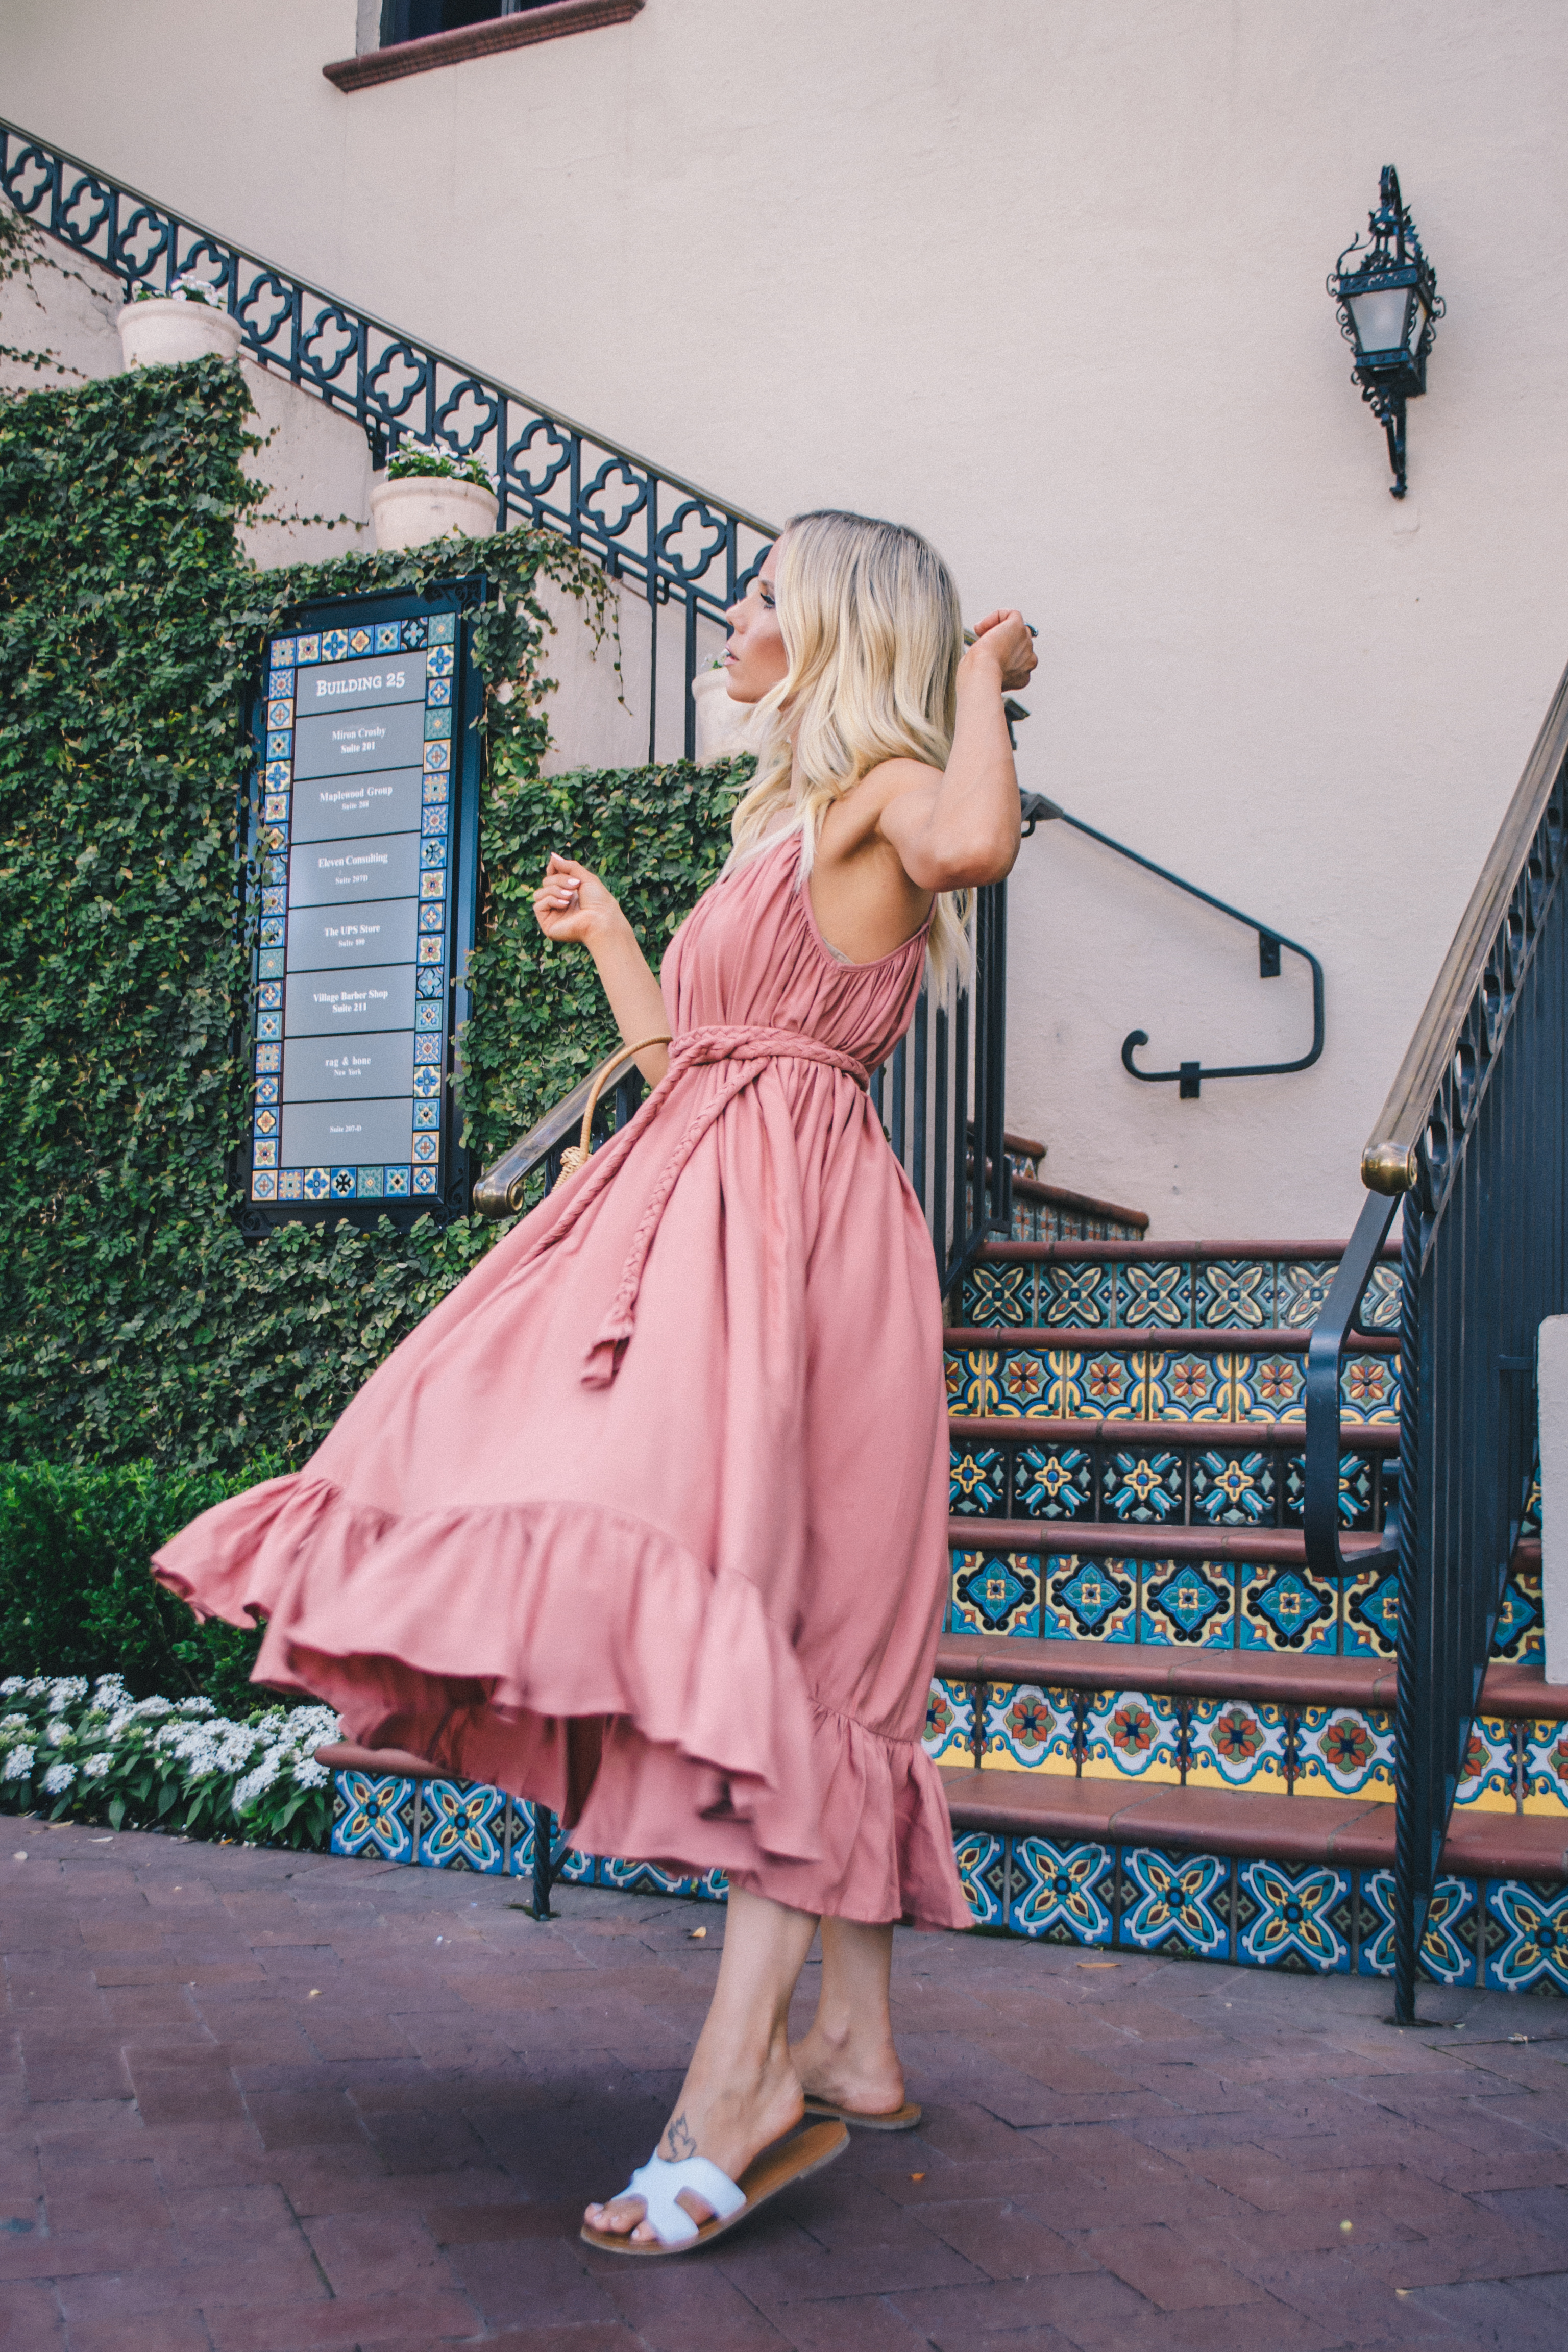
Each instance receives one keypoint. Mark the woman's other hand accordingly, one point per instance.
(1003, 637)
(573, 906)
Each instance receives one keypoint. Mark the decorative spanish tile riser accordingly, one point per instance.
(1036, 1383)
(1091, 1483)
(1199, 1604)
(1510, 1766)
(1254, 1913)
(1194, 1604)
(1046, 1221)
(1241, 1293)
(447, 1825)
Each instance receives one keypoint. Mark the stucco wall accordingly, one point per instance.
(1046, 280)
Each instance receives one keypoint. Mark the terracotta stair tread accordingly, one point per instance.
(1280, 1678)
(984, 1429)
(1140, 1253)
(1059, 1196)
(1342, 1830)
(1214, 1821)
(1113, 1538)
(1201, 1340)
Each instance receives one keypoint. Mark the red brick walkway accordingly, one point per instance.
(255, 2102)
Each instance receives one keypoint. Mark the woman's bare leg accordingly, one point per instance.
(740, 2092)
(848, 2056)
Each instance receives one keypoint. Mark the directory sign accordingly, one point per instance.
(360, 836)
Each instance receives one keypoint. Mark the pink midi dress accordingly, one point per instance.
(647, 1520)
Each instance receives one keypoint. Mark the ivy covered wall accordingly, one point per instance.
(137, 1323)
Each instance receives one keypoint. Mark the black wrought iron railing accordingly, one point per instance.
(688, 554)
(939, 1096)
(1188, 1077)
(1472, 1143)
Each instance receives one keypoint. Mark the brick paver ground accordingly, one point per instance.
(259, 2102)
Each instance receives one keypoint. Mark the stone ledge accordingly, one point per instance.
(470, 41)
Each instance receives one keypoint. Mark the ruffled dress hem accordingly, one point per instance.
(577, 1656)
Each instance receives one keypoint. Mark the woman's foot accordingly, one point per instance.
(857, 2073)
(730, 2123)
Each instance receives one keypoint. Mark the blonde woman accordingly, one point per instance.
(647, 1520)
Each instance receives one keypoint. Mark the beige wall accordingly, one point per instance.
(1045, 278)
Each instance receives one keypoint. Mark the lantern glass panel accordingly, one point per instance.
(1379, 317)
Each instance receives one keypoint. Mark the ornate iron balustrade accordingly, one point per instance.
(1473, 1140)
(675, 545)
(939, 1096)
(1188, 1077)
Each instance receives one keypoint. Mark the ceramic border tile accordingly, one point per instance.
(1187, 1603)
(1286, 1609)
(1238, 1743)
(1132, 1736)
(1062, 1894)
(1531, 1947)
(1294, 1917)
(1088, 1598)
(1031, 1728)
(1489, 1781)
(982, 1870)
(1176, 1903)
(949, 1722)
(1448, 1946)
(1344, 1751)
(1546, 1767)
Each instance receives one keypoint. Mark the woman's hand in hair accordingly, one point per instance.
(1003, 639)
(573, 906)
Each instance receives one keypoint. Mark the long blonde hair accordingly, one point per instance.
(873, 632)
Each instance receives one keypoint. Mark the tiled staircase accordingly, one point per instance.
(1158, 1730)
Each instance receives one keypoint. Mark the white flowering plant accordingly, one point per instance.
(188, 289)
(97, 1754)
(415, 457)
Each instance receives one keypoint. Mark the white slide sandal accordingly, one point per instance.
(658, 2182)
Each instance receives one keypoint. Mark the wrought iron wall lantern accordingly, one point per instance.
(1389, 307)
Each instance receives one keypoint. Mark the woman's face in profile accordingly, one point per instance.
(754, 658)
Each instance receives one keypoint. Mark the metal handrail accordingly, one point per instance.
(675, 543)
(1338, 1324)
(1472, 1147)
(503, 1190)
(1188, 1077)
(1390, 1158)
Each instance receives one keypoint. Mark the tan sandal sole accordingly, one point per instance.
(777, 2168)
(902, 2118)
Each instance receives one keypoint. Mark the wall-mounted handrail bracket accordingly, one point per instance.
(1188, 1077)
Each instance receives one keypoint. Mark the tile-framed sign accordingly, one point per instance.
(361, 842)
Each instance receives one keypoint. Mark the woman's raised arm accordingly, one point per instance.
(962, 831)
(573, 907)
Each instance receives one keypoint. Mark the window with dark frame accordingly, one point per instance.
(410, 20)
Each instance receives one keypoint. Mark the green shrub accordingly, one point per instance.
(137, 1325)
(75, 1594)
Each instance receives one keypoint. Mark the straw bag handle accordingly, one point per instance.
(576, 1155)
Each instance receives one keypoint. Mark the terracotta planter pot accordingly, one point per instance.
(423, 507)
(161, 333)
